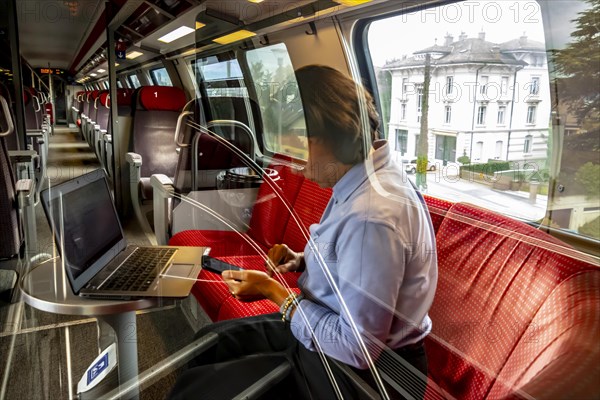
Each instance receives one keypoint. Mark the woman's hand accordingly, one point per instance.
(282, 259)
(250, 285)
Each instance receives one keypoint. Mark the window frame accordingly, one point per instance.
(528, 144)
(531, 114)
(481, 114)
(155, 80)
(501, 112)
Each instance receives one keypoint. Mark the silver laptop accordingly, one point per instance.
(98, 262)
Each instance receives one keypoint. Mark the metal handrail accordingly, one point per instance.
(249, 161)
(245, 128)
(184, 113)
(6, 111)
(178, 128)
(39, 107)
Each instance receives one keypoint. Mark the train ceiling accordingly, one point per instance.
(71, 34)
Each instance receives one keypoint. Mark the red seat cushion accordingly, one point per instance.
(212, 293)
(495, 273)
(437, 210)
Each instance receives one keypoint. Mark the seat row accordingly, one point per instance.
(158, 137)
(516, 312)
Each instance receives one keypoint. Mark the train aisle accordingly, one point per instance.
(46, 354)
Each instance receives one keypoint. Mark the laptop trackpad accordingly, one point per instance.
(178, 271)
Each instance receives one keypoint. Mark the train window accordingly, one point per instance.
(221, 78)
(160, 77)
(134, 81)
(225, 87)
(279, 100)
(119, 84)
(482, 97)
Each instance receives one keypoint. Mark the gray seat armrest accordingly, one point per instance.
(135, 176)
(24, 186)
(134, 159)
(162, 193)
(26, 196)
(108, 138)
(22, 156)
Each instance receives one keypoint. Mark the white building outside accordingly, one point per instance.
(489, 101)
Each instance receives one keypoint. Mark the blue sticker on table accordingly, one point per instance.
(97, 368)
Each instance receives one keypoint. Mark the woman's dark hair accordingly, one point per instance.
(331, 107)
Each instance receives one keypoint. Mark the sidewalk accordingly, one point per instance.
(512, 203)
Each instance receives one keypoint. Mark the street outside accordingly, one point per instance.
(508, 202)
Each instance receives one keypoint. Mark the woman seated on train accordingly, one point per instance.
(369, 270)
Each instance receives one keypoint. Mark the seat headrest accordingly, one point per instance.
(163, 98)
(124, 96)
(104, 98)
(95, 94)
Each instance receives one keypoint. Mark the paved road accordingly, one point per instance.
(508, 202)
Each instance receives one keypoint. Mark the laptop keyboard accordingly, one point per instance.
(139, 270)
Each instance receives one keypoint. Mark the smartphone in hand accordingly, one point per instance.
(217, 266)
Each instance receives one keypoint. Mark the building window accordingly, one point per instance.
(481, 115)
(402, 141)
(484, 83)
(478, 150)
(449, 84)
(534, 87)
(448, 115)
(504, 85)
(498, 152)
(531, 114)
(419, 98)
(501, 115)
(403, 111)
(528, 144)
(416, 144)
(404, 86)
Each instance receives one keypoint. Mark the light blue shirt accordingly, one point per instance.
(378, 245)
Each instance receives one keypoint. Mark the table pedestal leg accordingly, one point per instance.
(122, 330)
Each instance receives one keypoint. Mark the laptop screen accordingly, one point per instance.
(85, 224)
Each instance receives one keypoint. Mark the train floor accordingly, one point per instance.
(43, 355)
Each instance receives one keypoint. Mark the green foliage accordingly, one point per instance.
(588, 175)
(579, 63)
(487, 168)
(591, 229)
(464, 159)
(422, 164)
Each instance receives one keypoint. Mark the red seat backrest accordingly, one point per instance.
(309, 207)
(270, 213)
(496, 277)
(437, 210)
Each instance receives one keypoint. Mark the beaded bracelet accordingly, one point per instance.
(286, 304)
(290, 303)
(292, 307)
